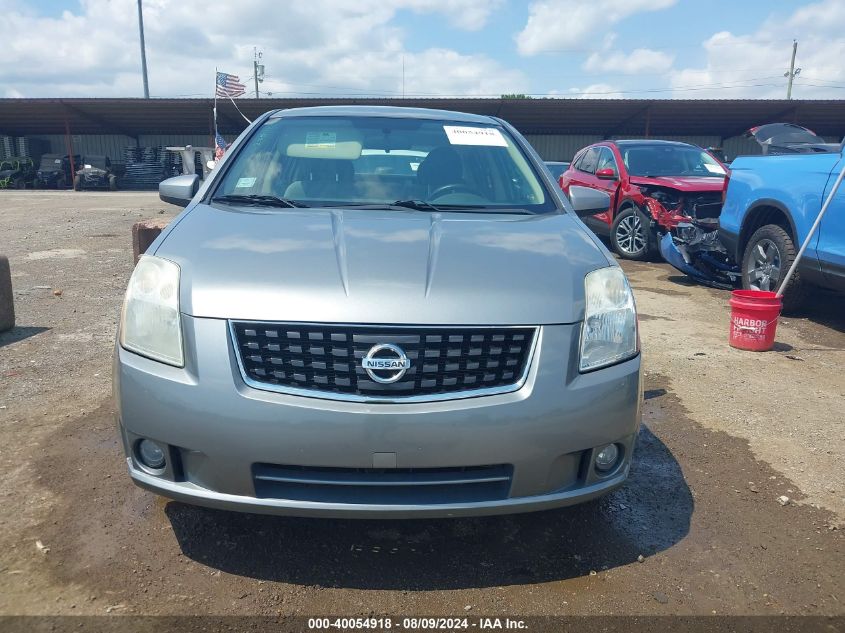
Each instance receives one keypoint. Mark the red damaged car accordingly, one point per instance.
(653, 186)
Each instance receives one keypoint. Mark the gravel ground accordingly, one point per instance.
(698, 529)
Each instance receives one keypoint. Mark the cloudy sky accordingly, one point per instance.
(572, 48)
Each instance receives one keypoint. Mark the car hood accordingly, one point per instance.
(365, 266)
(681, 183)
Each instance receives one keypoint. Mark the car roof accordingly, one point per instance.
(648, 141)
(384, 111)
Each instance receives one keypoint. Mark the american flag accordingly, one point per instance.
(229, 86)
(220, 141)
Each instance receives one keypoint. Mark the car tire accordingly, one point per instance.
(112, 183)
(19, 183)
(77, 183)
(631, 236)
(766, 259)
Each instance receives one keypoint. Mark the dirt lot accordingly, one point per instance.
(725, 434)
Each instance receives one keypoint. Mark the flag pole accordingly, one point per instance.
(214, 143)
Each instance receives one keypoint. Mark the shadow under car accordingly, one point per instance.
(650, 513)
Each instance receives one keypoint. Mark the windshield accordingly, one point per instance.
(98, 162)
(51, 162)
(669, 160)
(360, 161)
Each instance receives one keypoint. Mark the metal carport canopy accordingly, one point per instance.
(605, 117)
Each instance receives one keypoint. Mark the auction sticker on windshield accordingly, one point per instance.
(321, 140)
(244, 182)
(459, 135)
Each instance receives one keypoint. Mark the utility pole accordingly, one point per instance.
(143, 50)
(257, 68)
(793, 72)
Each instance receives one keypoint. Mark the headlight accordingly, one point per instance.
(149, 323)
(609, 332)
(668, 199)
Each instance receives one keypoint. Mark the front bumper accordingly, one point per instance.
(217, 431)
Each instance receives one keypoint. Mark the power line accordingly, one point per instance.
(718, 44)
(739, 83)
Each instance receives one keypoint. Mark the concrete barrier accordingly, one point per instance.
(7, 300)
(144, 233)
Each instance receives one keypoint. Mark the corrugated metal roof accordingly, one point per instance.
(602, 117)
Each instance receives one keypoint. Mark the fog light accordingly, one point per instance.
(151, 455)
(607, 458)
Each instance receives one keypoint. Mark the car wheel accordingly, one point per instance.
(19, 183)
(630, 235)
(77, 183)
(766, 260)
(112, 183)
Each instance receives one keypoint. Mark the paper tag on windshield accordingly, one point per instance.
(321, 140)
(244, 182)
(459, 135)
(714, 169)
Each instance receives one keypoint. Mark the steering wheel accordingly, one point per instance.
(447, 189)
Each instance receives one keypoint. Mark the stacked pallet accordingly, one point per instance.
(146, 167)
(7, 147)
(22, 147)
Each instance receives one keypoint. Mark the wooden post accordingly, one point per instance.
(69, 143)
(7, 300)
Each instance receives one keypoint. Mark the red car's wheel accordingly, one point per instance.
(630, 235)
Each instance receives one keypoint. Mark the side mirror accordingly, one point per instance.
(588, 201)
(608, 173)
(179, 190)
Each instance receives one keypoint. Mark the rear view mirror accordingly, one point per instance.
(588, 201)
(179, 190)
(608, 173)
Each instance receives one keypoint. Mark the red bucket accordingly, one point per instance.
(754, 319)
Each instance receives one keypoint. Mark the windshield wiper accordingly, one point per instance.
(422, 205)
(258, 200)
(418, 205)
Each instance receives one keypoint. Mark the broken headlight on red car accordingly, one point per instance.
(669, 199)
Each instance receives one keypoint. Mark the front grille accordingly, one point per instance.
(703, 205)
(383, 486)
(328, 358)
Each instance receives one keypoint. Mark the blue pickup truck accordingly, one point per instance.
(770, 204)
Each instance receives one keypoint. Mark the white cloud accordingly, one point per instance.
(640, 60)
(752, 65)
(470, 15)
(319, 47)
(597, 91)
(564, 24)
